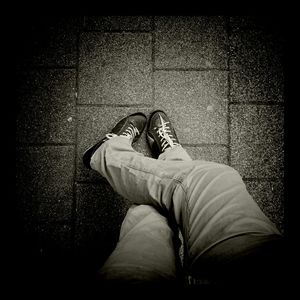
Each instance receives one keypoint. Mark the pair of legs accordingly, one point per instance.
(224, 230)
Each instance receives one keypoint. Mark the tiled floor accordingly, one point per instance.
(220, 79)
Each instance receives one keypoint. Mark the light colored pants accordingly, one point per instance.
(207, 201)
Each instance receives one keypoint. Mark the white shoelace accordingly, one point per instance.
(166, 138)
(129, 133)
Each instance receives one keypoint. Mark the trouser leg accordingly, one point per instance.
(229, 256)
(141, 179)
(209, 201)
(144, 254)
(175, 154)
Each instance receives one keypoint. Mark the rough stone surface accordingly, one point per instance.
(93, 124)
(99, 203)
(269, 195)
(44, 181)
(210, 86)
(196, 102)
(213, 153)
(257, 140)
(100, 212)
(47, 41)
(267, 23)
(108, 23)
(48, 239)
(115, 68)
(256, 65)
(45, 108)
(190, 42)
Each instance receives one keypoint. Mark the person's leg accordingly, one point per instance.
(148, 248)
(209, 201)
(145, 254)
(228, 238)
(143, 180)
(229, 257)
(177, 153)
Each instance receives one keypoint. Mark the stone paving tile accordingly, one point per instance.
(190, 42)
(255, 22)
(256, 64)
(44, 181)
(115, 68)
(269, 195)
(213, 153)
(48, 41)
(45, 106)
(93, 124)
(196, 102)
(99, 203)
(257, 140)
(107, 23)
(48, 239)
(100, 213)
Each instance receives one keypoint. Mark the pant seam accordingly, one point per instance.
(187, 223)
(148, 172)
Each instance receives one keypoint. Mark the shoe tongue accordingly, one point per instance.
(165, 135)
(162, 121)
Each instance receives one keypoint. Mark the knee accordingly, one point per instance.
(216, 175)
(216, 168)
(141, 211)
